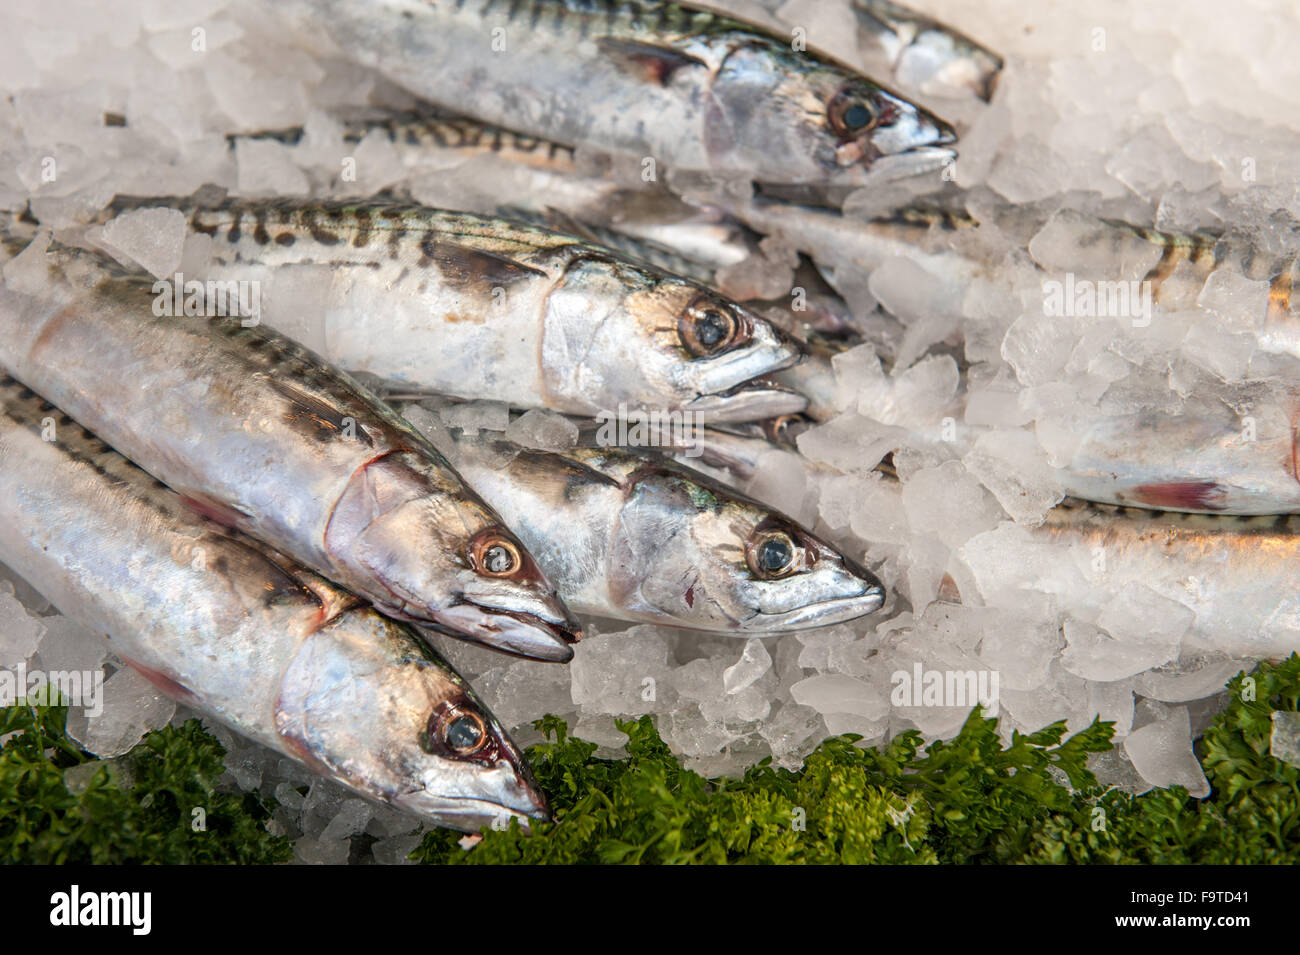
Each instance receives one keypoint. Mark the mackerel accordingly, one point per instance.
(630, 535)
(487, 308)
(244, 634)
(693, 89)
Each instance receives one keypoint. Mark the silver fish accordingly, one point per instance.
(631, 535)
(245, 635)
(485, 308)
(268, 438)
(923, 55)
(694, 90)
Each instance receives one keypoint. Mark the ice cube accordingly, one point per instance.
(949, 503)
(1284, 744)
(395, 849)
(266, 168)
(850, 442)
(818, 643)
(1020, 647)
(289, 797)
(153, 239)
(309, 851)
(622, 673)
(132, 707)
(837, 693)
(1013, 466)
(1095, 653)
(475, 416)
(377, 164)
(544, 430)
(1086, 246)
(753, 663)
(20, 633)
(1191, 677)
(77, 778)
(1113, 703)
(29, 271)
(351, 818)
(790, 734)
(67, 645)
(1162, 753)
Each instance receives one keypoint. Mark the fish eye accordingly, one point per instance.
(496, 555)
(707, 328)
(850, 113)
(456, 731)
(786, 428)
(774, 554)
(466, 734)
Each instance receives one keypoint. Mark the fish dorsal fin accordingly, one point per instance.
(649, 61)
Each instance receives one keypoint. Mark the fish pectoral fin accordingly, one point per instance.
(649, 61)
(465, 266)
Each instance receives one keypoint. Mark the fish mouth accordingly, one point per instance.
(509, 631)
(821, 614)
(750, 401)
(469, 813)
(913, 162)
(916, 142)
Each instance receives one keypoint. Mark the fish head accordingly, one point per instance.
(622, 337)
(368, 703)
(840, 127)
(441, 557)
(711, 559)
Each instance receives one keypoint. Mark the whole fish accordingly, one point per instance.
(692, 89)
(922, 55)
(630, 535)
(486, 308)
(245, 635)
(266, 437)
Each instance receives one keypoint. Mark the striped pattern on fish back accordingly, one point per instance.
(401, 230)
(643, 252)
(436, 130)
(1073, 512)
(631, 19)
(38, 416)
(1207, 250)
(1201, 249)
